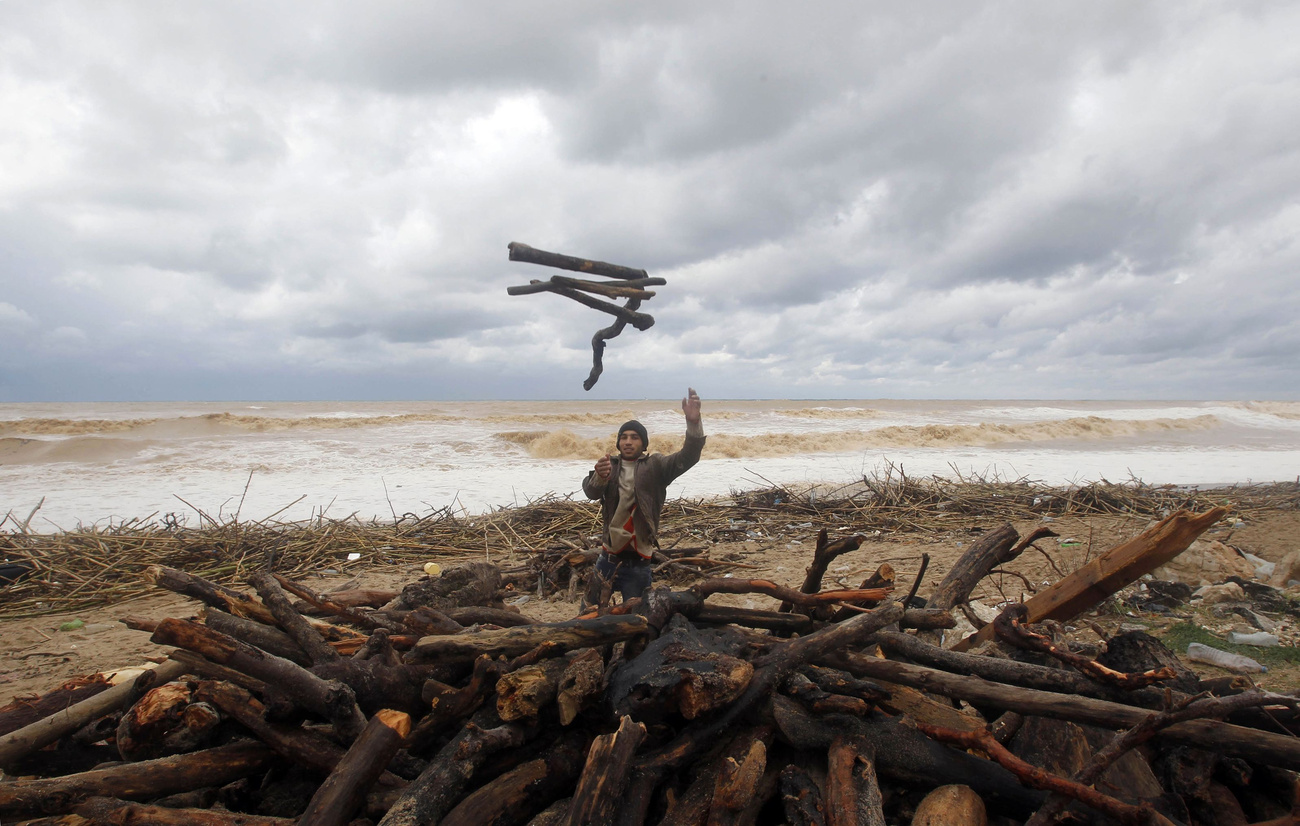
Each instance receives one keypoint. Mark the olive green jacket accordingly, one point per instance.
(654, 473)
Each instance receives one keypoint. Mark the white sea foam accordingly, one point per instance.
(91, 462)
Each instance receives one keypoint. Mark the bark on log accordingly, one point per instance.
(531, 255)
(824, 553)
(436, 790)
(448, 705)
(993, 549)
(511, 642)
(166, 720)
(904, 754)
(514, 797)
(1068, 597)
(737, 783)
(106, 811)
(852, 792)
(604, 776)
(293, 743)
(1013, 672)
(335, 701)
(271, 640)
(482, 615)
(343, 792)
(209, 593)
(1237, 741)
(802, 798)
(137, 781)
(17, 744)
(522, 693)
(25, 710)
(293, 623)
(202, 667)
(581, 683)
(368, 620)
(692, 806)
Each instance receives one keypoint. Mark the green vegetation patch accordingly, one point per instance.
(1178, 636)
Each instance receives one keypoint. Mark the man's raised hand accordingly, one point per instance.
(604, 467)
(691, 406)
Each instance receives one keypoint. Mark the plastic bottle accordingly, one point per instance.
(1196, 652)
(1261, 638)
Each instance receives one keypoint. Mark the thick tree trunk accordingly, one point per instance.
(993, 549)
(137, 781)
(334, 700)
(343, 792)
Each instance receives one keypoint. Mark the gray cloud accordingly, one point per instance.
(314, 199)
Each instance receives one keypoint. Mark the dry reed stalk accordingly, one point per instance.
(93, 565)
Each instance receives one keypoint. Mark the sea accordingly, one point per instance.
(70, 465)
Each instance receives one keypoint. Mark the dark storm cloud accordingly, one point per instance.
(988, 200)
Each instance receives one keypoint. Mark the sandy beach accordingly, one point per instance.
(36, 656)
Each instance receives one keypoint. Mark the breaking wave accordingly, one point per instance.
(215, 423)
(1283, 410)
(15, 451)
(564, 444)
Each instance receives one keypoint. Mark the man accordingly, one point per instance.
(631, 488)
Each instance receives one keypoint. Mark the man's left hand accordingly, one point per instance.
(691, 406)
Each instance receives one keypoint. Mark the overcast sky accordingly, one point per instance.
(272, 200)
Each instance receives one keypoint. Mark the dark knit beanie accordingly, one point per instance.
(633, 424)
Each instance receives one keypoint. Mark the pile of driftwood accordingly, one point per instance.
(442, 705)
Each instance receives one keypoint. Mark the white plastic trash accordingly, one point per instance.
(1196, 652)
(1261, 638)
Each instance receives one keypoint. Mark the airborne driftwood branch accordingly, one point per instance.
(629, 284)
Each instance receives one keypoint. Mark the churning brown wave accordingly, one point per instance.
(210, 423)
(564, 444)
(15, 451)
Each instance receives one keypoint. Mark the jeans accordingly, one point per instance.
(631, 578)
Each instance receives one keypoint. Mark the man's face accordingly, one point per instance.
(630, 444)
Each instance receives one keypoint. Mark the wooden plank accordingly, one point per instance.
(1116, 568)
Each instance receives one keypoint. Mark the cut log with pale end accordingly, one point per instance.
(137, 781)
(953, 805)
(343, 792)
(524, 692)
(1120, 566)
(166, 720)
